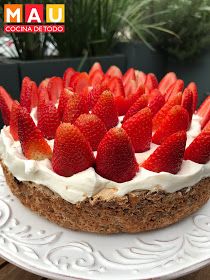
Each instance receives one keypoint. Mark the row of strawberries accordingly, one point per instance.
(161, 107)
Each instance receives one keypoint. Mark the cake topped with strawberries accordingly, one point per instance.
(106, 151)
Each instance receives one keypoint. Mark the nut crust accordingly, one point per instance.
(135, 212)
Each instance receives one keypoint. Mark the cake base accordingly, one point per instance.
(135, 212)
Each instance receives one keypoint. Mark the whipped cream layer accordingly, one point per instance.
(88, 183)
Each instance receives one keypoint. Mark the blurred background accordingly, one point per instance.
(150, 35)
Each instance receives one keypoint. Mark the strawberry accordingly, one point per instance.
(96, 77)
(94, 94)
(169, 79)
(199, 150)
(176, 120)
(73, 80)
(174, 89)
(115, 157)
(81, 83)
(192, 86)
(43, 95)
(55, 87)
(116, 87)
(33, 144)
(160, 116)
(151, 83)
(133, 95)
(139, 129)
(29, 94)
(130, 88)
(140, 77)
(156, 101)
(204, 111)
(92, 128)
(64, 97)
(114, 71)
(106, 110)
(67, 76)
(96, 66)
(43, 85)
(129, 75)
(207, 126)
(74, 108)
(187, 102)
(5, 105)
(72, 152)
(169, 155)
(48, 119)
(137, 106)
(14, 120)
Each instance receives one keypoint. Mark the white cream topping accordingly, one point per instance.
(87, 183)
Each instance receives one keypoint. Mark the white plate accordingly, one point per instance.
(44, 248)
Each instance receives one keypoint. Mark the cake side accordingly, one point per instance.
(135, 212)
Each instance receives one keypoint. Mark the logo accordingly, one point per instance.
(19, 18)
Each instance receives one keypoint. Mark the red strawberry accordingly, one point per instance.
(106, 110)
(192, 86)
(81, 83)
(96, 66)
(94, 94)
(29, 94)
(199, 150)
(64, 97)
(140, 77)
(116, 87)
(115, 157)
(55, 87)
(114, 71)
(156, 101)
(176, 120)
(33, 144)
(187, 102)
(169, 79)
(43, 85)
(67, 76)
(14, 120)
(73, 80)
(5, 105)
(92, 128)
(72, 152)
(150, 83)
(96, 77)
(130, 88)
(48, 119)
(139, 129)
(207, 126)
(74, 108)
(174, 89)
(43, 95)
(169, 155)
(137, 106)
(129, 75)
(133, 96)
(204, 111)
(160, 116)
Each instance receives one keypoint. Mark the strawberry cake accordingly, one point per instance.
(107, 152)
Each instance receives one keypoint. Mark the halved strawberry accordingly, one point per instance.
(177, 119)
(43, 95)
(156, 101)
(169, 79)
(67, 76)
(160, 116)
(130, 88)
(105, 109)
(74, 108)
(187, 102)
(199, 150)
(29, 94)
(114, 71)
(192, 86)
(93, 95)
(48, 119)
(14, 119)
(132, 96)
(96, 66)
(174, 89)
(81, 83)
(140, 77)
(136, 107)
(43, 85)
(72, 152)
(55, 87)
(73, 80)
(151, 82)
(33, 144)
(92, 128)
(204, 111)
(5, 105)
(169, 155)
(96, 77)
(139, 129)
(115, 156)
(115, 85)
(129, 75)
(63, 100)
